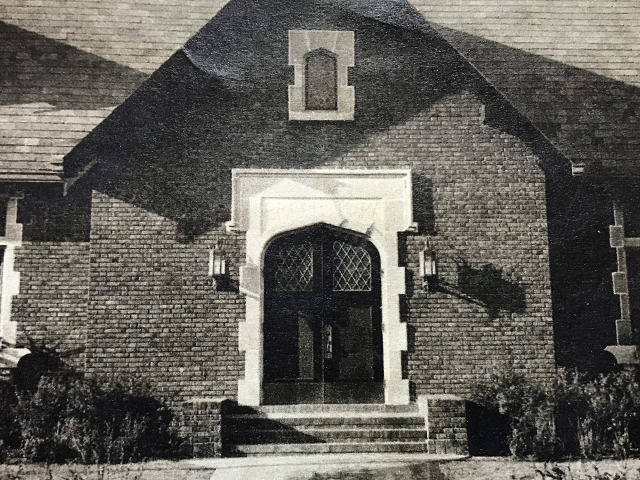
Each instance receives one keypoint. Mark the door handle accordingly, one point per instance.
(328, 341)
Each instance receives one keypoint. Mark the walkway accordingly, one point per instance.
(289, 467)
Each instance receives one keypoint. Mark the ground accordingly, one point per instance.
(329, 468)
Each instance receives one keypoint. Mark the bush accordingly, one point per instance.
(565, 472)
(73, 418)
(573, 416)
(9, 429)
(609, 425)
(52, 413)
(530, 409)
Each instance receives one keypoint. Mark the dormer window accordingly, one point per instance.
(321, 59)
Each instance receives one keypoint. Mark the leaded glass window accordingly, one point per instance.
(294, 268)
(351, 268)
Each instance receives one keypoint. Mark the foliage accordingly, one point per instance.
(52, 413)
(575, 415)
(557, 472)
(610, 426)
(9, 429)
(70, 417)
(530, 409)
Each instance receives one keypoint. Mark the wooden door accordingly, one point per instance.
(322, 321)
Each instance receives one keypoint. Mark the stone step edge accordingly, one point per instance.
(344, 414)
(342, 441)
(329, 429)
(324, 445)
(412, 408)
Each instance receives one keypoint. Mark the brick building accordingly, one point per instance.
(319, 202)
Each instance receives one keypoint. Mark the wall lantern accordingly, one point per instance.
(217, 266)
(428, 268)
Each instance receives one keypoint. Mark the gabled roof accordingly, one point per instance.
(221, 103)
(599, 36)
(51, 96)
(138, 34)
(65, 65)
(570, 66)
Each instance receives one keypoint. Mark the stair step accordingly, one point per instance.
(337, 447)
(332, 409)
(316, 421)
(326, 428)
(276, 415)
(326, 435)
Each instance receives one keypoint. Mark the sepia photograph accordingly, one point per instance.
(319, 239)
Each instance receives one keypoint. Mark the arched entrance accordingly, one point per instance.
(322, 324)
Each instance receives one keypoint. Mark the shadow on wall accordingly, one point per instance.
(584, 306)
(487, 430)
(48, 215)
(222, 103)
(487, 287)
(36, 69)
(423, 211)
(593, 120)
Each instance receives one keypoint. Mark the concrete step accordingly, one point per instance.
(325, 429)
(324, 435)
(257, 421)
(340, 408)
(344, 428)
(333, 409)
(337, 447)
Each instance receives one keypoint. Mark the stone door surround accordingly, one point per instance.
(268, 203)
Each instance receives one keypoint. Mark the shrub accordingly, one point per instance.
(40, 415)
(9, 429)
(531, 412)
(50, 412)
(574, 415)
(565, 472)
(70, 417)
(609, 425)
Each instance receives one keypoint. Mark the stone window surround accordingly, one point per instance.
(341, 44)
(267, 204)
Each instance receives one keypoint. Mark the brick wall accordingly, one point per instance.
(153, 312)
(479, 197)
(202, 425)
(163, 192)
(54, 287)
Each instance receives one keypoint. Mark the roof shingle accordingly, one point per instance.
(571, 66)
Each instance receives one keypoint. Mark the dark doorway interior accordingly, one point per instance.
(322, 320)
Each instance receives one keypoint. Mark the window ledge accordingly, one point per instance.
(320, 115)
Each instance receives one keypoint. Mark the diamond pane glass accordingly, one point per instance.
(351, 268)
(294, 268)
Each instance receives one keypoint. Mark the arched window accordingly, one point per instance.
(321, 61)
(321, 80)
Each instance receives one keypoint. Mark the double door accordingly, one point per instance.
(322, 322)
